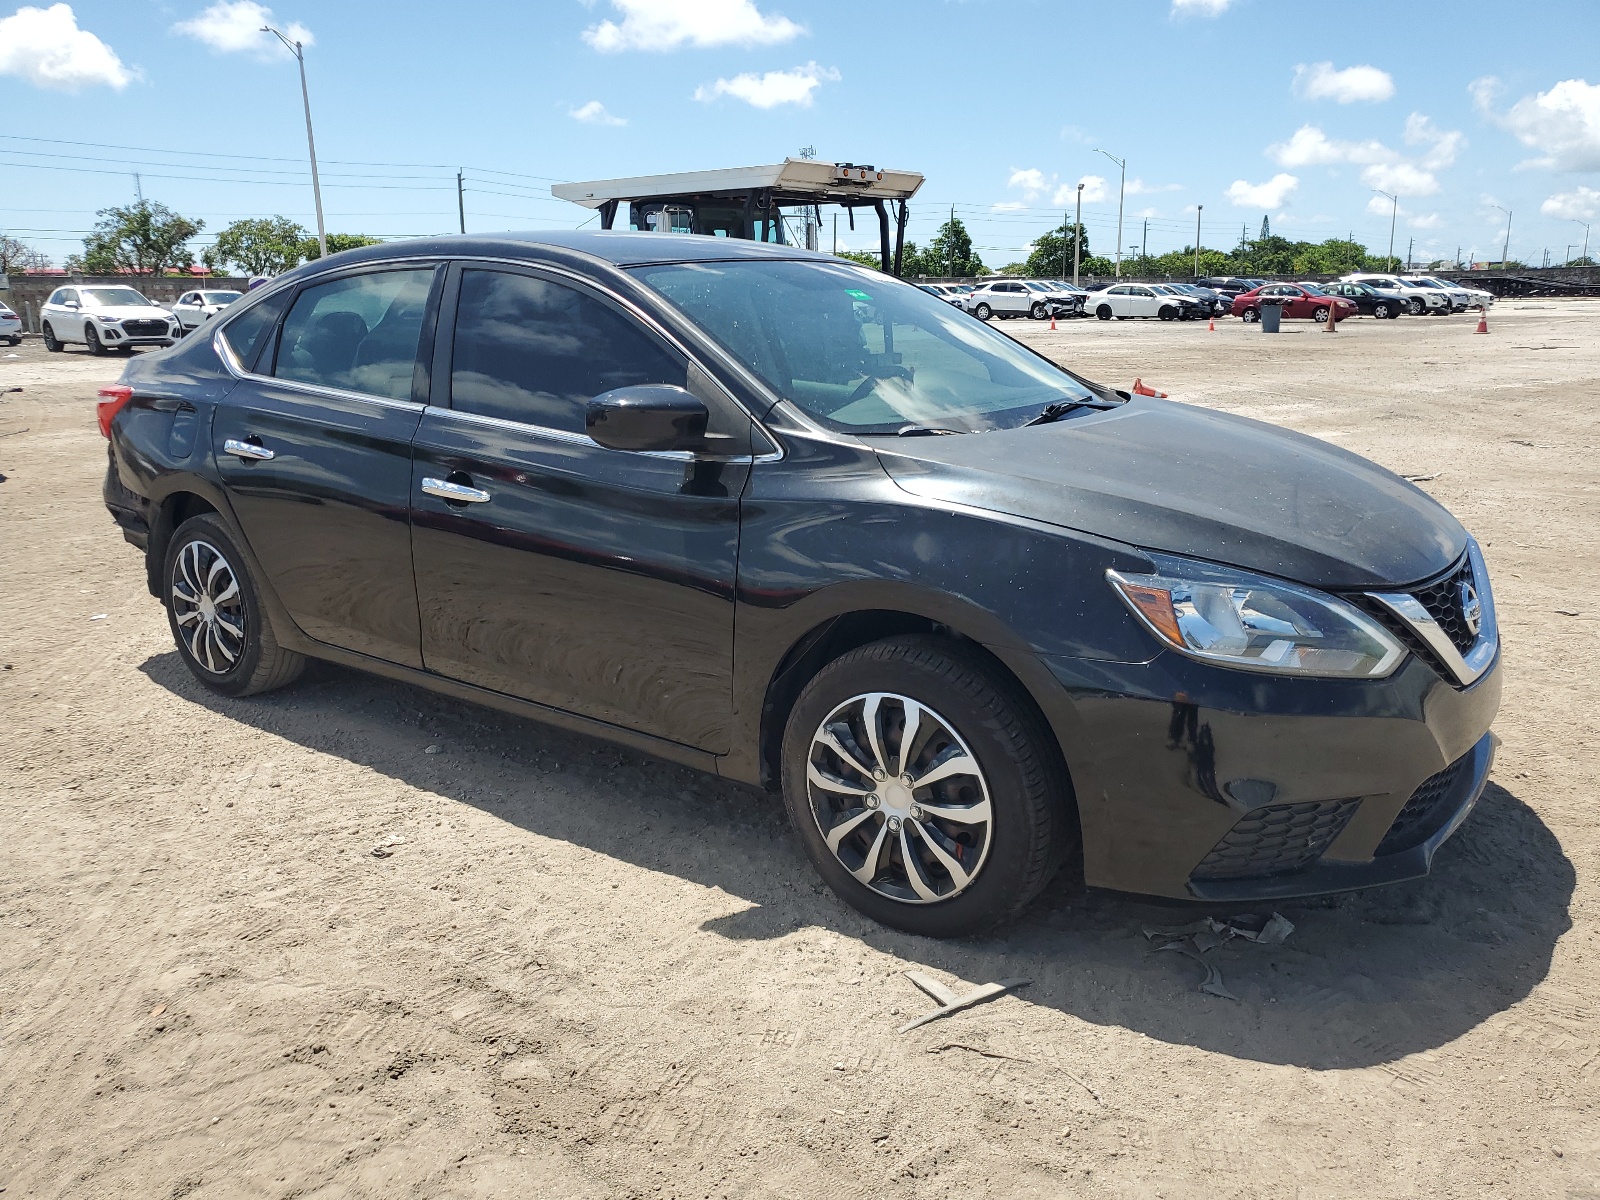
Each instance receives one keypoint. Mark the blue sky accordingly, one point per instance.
(1247, 107)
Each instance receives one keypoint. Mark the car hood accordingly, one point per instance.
(1166, 476)
(129, 312)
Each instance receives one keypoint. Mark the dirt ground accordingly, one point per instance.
(578, 972)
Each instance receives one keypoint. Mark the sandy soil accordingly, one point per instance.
(581, 973)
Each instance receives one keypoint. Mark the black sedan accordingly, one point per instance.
(976, 618)
(1368, 300)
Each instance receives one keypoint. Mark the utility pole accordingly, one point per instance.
(138, 188)
(949, 242)
(1198, 209)
(1077, 238)
(1505, 251)
(1394, 213)
(1410, 245)
(1122, 189)
(1585, 225)
(311, 142)
(461, 202)
(1144, 248)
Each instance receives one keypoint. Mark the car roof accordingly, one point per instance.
(622, 248)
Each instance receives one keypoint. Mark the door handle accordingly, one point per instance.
(460, 493)
(250, 450)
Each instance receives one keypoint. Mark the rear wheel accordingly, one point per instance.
(983, 312)
(51, 342)
(926, 792)
(1103, 312)
(223, 634)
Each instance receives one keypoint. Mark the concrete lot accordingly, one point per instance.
(581, 973)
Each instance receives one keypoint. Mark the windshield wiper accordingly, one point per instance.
(1060, 408)
(923, 431)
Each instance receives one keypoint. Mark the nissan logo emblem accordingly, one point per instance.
(1471, 607)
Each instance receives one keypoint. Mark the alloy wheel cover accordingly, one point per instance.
(899, 798)
(208, 607)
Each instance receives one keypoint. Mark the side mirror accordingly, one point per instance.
(70, 304)
(647, 417)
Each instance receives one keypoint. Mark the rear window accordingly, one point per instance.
(247, 333)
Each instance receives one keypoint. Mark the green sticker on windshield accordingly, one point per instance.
(859, 295)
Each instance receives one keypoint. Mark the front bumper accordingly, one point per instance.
(1198, 782)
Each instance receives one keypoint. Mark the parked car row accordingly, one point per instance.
(105, 318)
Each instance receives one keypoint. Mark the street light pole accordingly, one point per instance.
(1585, 225)
(311, 142)
(1077, 238)
(1198, 209)
(1394, 213)
(1505, 250)
(1122, 188)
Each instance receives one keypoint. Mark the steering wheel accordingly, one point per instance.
(894, 371)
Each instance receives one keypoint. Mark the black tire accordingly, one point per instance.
(1037, 312)
(1381, 311)
(983, 312)
(1417, 306)
(258, 663)
(1250, 314)
(1031, 830)
(1103, 312)
(92, 340)
(1320, 314)
(51, 342)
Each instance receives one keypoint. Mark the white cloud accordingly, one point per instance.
(771, 89)
(1203, 8)
(1147, 212)
(1095, 189)
(45, 47)
(594, 113)
(1563, 123)
(669, 24)
(1030, 179)
(1009, 206)
(1424, 221)
(234, 26)
(1385, 168)
(1320, 81)
(1580, 205)
(1271, 194)
(1381, 206)
(1138, 187)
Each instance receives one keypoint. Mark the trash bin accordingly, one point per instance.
(1271, 314)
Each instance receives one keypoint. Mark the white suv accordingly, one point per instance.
(105, 317)
(1462, 295)
(194, 309)
(1002, 298)
(1420, 299)
(10, 325)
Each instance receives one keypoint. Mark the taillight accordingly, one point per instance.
(110, 404)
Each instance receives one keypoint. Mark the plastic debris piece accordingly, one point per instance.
(1199, 938)
(949, 1002)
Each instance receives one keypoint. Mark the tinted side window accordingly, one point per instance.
(252, 329)
(359, 333)
(534, 351)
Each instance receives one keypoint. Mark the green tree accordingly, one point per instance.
(1098, 267)
(19, 256)
(259, 246)
(1051, 257)
(146, 238)
(866, 258)
(336, 242)
(950, 252)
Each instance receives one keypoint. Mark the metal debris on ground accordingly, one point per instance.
(949, 1002)
(1422, 478)
(1199, 938)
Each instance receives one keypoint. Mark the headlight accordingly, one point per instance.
(1247, 621)
(106, 319)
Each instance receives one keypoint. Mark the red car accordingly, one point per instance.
(1299, 300)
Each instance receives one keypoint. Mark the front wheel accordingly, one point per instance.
(1250, 314)
(927, 794)
(1381, 311)
(51, 342)
(92, 340)
(223, 634)
(1417, 307)
(1320, 314)
(1103, 312)
(983, 312)
(1037, 312)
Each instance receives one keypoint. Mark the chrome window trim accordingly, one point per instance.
(567, 437)
(1467, 668)
(231, 362)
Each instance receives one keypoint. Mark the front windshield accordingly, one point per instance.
(861, 352)
(115, 297)
(1312, 289)
(220, 297)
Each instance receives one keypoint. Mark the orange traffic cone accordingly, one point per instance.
(1052, 319)
(1139, 389)
(1212, 328)
(1483, 323)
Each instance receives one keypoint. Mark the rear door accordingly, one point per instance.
(592, 580)
(314, 448)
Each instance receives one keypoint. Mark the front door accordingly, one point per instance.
(592, 580)
(314, 448)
